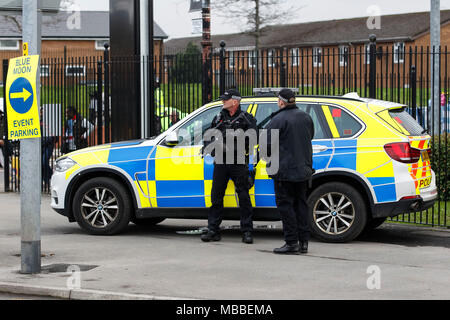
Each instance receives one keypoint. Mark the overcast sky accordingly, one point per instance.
(173, 16)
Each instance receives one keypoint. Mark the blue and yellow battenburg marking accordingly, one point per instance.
(178, 177)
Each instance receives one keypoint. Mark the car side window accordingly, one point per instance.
(266, 109)
(342, 124)
(191, 133)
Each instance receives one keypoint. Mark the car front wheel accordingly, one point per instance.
(102, 206)
(337, 212)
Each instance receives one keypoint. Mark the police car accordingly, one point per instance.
(371, 160)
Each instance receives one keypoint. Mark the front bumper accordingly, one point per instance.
(58, 188)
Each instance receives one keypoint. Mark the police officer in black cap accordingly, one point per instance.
(231, 117)
(296, 130)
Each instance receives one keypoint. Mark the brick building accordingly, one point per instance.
(64, 34)
(330, 47)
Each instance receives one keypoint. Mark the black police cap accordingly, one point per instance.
(230, 94)
(287, 95)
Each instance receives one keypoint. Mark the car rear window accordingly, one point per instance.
(402, 121)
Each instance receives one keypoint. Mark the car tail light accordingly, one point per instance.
(410, 197)
(402, 152)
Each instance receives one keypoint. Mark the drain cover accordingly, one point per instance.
(65, 267)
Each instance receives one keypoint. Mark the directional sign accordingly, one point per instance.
(21, 102)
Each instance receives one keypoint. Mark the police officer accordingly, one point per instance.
(231, 117)
(296, 130)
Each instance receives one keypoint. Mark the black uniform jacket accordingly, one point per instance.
(296, 130)
(240, 120)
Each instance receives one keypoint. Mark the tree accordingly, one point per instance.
(187, 66)
(256, 14)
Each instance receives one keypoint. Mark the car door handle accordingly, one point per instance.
(319, 148)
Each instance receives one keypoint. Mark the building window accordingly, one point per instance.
(343, 56)
(78, 71)
(100, 44)
(9, 45)
(295, 61)
(45, 71)
(317, 57)
(231, 61)
(271, 58)
(399, 52)
(252, 59)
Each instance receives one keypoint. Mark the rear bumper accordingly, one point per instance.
(393, 209)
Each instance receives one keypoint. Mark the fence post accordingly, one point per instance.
(413, 84)
(282, 69)
(373, 67)
(99, 102)
(222, 67)
(107, 106)
(206, 53)
(5, 124)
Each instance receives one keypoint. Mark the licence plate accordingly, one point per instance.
(424, 183)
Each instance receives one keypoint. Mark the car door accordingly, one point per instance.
(322, 148)
(176, 173)
(178, 176)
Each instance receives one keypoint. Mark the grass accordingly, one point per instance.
(437, 216)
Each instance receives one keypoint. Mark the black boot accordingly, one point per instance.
(287, 249)
(303, 246)
(247, 237)
(211, 236)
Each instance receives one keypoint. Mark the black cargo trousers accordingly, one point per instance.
(239, 174)
(292, 204)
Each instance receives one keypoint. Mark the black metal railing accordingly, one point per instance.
(394, 73)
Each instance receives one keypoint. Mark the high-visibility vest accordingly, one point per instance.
(159, 97)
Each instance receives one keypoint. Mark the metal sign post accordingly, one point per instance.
(30, 160)
(435, 39)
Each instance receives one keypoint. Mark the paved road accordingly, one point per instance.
(412, 262)
(7, 296)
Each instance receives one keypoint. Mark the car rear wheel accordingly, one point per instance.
(102, 206)
(337, 212)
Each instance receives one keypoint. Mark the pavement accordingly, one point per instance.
(392, 262)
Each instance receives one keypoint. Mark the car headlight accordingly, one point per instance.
(64, 164)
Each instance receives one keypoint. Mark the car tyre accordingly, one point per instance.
(102, 206)
(337, 212)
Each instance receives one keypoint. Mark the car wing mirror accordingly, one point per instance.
(172, 139)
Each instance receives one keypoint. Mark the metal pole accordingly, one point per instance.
(107, 106)
(373, 67)
(30, 157)
(206, 52)
(414, 91)
(435, 38)
(222, 67)
(151, 73)
(5, 125)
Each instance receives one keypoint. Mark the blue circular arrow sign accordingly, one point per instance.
(21, 95)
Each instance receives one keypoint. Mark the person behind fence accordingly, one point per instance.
(174, 118)
(47, 146)
(296, 130)
(93, 100)
(77, 129)
(230, 118)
